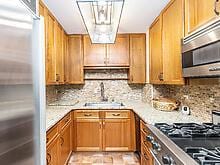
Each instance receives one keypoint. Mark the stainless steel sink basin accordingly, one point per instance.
(104, 104)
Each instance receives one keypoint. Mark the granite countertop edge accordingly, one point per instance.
(145, 111)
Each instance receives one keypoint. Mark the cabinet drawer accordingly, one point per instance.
(117, 114)
(52, 133)
(86, 114)
(65, 120)
(144, 128)
(144, 141)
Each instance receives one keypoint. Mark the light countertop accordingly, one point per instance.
(143, 110)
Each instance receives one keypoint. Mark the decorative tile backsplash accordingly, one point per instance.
(117, 90)
(200, 98)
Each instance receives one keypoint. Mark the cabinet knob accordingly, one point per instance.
(48, 158)
(57, 77)
(160, 76)
(215, 8)
(62, 141)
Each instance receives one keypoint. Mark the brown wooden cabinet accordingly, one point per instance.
(156, 56)
(172, 33)
(53, 153)
(74, 60)
(88, 134)
(54, 47)
(65, 143)
(137, 72)
(199, 12)
(59, 142)
(94, 130)
(146, 157)
(121, 129)
(94, 54)
(107, 55)
(118, 53)
(165, 45)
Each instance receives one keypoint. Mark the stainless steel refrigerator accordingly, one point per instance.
(22, 84)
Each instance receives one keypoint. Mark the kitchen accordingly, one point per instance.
(110, 82)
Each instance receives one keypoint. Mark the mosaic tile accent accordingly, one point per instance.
(103, 158)
(200, 98)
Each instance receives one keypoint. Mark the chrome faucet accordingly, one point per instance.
(103, 98)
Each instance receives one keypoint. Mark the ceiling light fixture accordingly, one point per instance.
(101, 18)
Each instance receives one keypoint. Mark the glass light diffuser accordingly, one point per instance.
(101, 18)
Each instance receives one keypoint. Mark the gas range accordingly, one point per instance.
(199, 143)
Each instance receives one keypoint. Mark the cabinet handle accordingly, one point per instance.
(57, 77)
(62, 141)
(48, 158)
(87, 115)
(145, 156)
(103, 125)
(160, 76)
(100, 125)
(215, 10)
(118, 114)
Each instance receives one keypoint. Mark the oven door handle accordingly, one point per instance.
(154, 156)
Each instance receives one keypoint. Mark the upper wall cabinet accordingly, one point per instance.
(165, 45)
(94, 54)
(74, 60)
(54, 48)
(199, 12)
(137, 72)
(107, 55)
(172, 33)
(156, 56)
(118, 53)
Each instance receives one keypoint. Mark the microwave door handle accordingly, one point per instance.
(214, 69)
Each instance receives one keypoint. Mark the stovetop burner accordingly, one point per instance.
(189, 130)
(204, 156)
(200, 141)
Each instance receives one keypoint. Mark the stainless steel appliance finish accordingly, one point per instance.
(201, 52)
(216, 117)
(165, 151)
(19, 120)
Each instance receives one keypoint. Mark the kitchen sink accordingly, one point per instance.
(104, 104)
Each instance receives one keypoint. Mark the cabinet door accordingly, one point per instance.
(50, 56)
(65, 143)
(116, 135)
(172, 33)
(94, 54)
(74, 59)
(53, 152)
(88, 135)
(118, 53)
(59, 33)
(199, 12)
(137, 59)
(156, 57)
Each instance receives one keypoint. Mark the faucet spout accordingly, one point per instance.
(103, 98)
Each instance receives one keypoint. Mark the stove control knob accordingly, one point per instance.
(150, 138)
(168, 160)
(156, 146)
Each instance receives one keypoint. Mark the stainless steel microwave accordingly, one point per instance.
(201, 52)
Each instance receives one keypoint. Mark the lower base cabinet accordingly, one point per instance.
(65, 144)
(117, 135)
(53, 152)
(59, 146)
(88, 134)
(104, 130)
(146, 157)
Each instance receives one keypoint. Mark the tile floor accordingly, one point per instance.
(104, 158)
